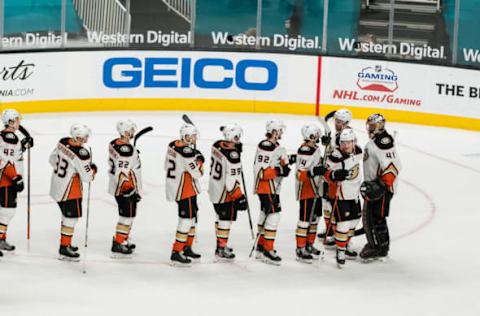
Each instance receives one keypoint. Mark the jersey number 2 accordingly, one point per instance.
(171, 169)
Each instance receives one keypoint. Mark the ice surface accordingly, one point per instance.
(433, 267)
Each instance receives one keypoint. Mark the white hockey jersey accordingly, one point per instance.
(11, 157)
(349, 189)
(307, 187)
(267, 157)
(381, 160)
(125, 168)
(183, 170)
(225, 173)
(71, 166)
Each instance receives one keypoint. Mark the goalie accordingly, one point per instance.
(381, 167)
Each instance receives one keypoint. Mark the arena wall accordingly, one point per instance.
(238, 82)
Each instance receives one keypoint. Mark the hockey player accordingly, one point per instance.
(125, 184)
(308, 188)
(224, 188)
(270, 166)
(342, 119)
(72, 165)
(11, 169)
(184, 167)
(381, 168)
(345, 179)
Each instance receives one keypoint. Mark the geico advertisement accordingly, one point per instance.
(400, 86)
(153, 74)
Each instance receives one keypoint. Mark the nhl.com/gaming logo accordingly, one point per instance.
(377, 78)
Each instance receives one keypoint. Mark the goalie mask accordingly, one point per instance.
(375, 124)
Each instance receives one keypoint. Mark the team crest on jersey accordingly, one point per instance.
(187, 150)
(234, 155)
(385, 140)
(305, 148)
(10, 136)
(125, 149)
(354, 172)
(266, 143)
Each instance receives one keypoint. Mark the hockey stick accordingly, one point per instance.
(140, 133)
(187, 120)
(24, 131)
(248, 207)
(86, 222)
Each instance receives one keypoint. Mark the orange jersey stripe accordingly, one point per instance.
(75, 188)
(306, 186)
(188, 189)
(9, 172)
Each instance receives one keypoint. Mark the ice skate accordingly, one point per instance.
(350, 253)
(369, 254)
(5, 246)
(120, 251)
(316, 253)
(271, 257)
(67, 254)
(178, 259)
(189, 253)
(303, 256)
(223, 255)
(130, 245)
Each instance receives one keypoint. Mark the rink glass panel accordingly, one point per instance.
(233, 21)
(291, 26)
(468, 52)
(27, 24)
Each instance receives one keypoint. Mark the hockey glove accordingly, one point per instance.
(292, 159)
(18, 183)
(26, 143)
(373, 190)
(326, 139)
(318, 171)
(340, 175)
(241, 204)
(132, 195)
(283, 171)
(94, 167)
(239, 147)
